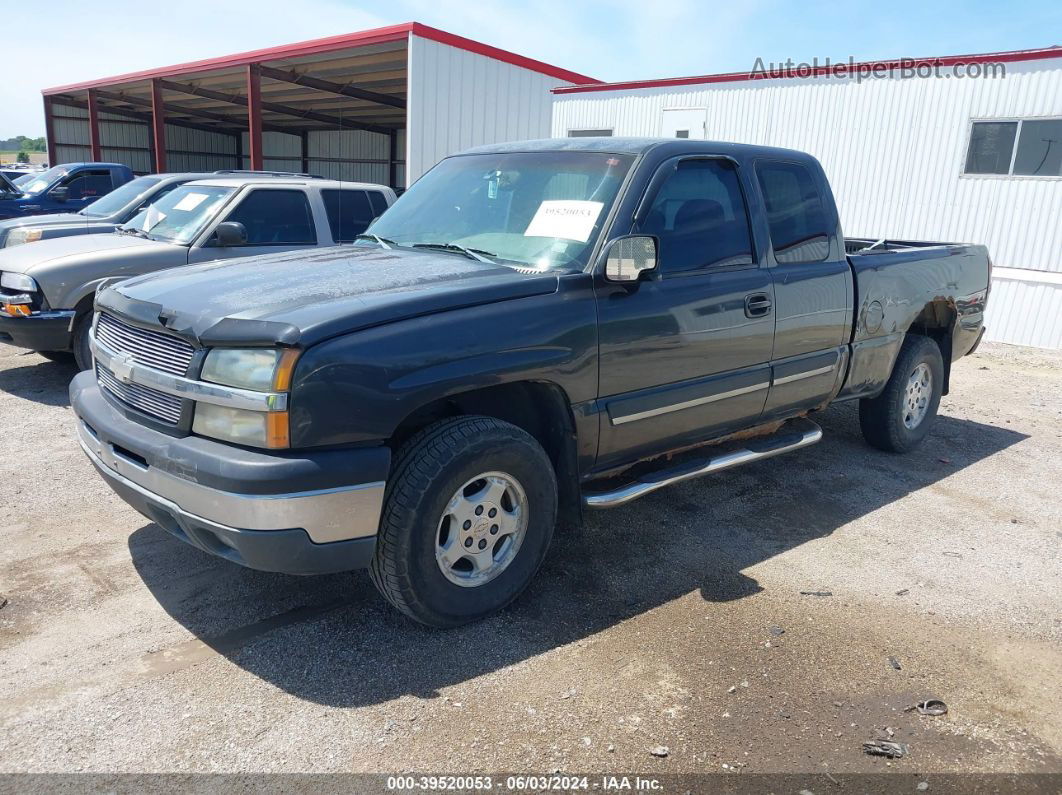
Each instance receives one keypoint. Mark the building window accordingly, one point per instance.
(589, 133)
(1022, 148)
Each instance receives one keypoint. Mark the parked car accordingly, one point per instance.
(103, 215)
(62, 189)
(532, 328)
(46, 289)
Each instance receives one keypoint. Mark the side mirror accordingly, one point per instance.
(629, 257)
(59, 194)
(230, 233)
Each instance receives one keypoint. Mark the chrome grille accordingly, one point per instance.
(150, 348)
(142, 398)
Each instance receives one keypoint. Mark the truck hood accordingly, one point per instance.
(54, 219)
(114, 250)
(303, 297)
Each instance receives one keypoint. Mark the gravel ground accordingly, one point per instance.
(677, 621)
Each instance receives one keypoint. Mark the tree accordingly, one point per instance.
(23, 157)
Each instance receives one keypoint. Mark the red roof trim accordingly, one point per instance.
(736, 77)
(345, 41)
(479, 48)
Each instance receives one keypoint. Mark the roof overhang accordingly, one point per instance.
(357, 80)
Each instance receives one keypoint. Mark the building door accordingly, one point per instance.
(684, 352)
(684, 123)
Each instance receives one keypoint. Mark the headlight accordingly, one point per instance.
(23, 234)
(18, 281)
(254, 369)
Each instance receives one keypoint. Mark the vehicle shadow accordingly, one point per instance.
(39, 380)
(333, 641)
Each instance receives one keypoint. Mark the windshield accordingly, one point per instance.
(129, 194)
(539, 209)
(41, 182)
(20, 181)
(181, 214)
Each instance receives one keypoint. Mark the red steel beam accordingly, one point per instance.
(94, 126)
(158, 126)
(254, 116)
(49, 131)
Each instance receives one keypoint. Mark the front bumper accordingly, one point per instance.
(44, 331)
(297, 513)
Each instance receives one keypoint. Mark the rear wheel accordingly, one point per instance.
(468, 517)
(902, 415)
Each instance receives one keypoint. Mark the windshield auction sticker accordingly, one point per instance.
(190, 202)
(571, 220)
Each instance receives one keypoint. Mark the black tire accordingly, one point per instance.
(62, 357)
(882, 419)
(428, 471)
(80, 341)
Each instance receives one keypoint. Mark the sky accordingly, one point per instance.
(613, 40)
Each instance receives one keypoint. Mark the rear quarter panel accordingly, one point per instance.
(893, 289)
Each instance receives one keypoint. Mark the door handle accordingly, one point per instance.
(757, 305)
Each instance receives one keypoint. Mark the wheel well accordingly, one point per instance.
(937, 321)
(539, 408)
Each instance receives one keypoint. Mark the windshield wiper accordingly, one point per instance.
(471, 253)
(383, 242)
(132, 230)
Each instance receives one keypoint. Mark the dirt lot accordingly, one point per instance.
(677, 621)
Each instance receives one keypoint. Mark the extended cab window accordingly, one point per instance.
(88, 184)
(349, 213)
(799, 230)
(699, 217)
(275, 217)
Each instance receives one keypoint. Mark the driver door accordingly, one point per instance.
(276, 220)
(684, 352)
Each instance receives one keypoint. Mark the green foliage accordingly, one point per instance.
(23, 157)
(20, 143)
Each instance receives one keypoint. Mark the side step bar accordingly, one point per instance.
(792, 436)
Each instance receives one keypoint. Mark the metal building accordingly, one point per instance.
(974, 155)
(380, 105)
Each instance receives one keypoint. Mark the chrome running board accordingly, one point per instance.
(792, 436)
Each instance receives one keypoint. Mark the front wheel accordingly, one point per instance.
(900, 417)
(81, 343)
(469, 514)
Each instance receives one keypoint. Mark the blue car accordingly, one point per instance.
(62, 189)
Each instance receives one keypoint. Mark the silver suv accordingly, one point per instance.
(46, 289)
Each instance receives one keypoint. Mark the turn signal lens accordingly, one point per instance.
(18, 310)
(277, 430)
(285, 368)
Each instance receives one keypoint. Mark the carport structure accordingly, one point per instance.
(379, 105)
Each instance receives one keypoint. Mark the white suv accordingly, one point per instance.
(46, 289)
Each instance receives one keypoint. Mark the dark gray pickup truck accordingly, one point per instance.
(532, 329)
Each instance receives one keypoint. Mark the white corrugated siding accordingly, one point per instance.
(280, 151)
(198, 150)
(1025, 312)
(894, 150)
(459, 99)
(325, 147)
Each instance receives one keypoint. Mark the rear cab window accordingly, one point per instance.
(796, 214)
(351, 211)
